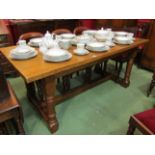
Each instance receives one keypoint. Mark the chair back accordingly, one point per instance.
(29, 35)
(4, 90)
(78, 30)
(61, 31)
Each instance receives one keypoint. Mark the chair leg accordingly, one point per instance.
(151, 85)
(132, 127)
(19, 126)
(105, 66)
(120, 69)
(66, 83)
(116, 66)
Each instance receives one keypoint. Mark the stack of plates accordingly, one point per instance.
(97, 47)
(57, 55)
(123, 40)
(35, 42)
(24, 52)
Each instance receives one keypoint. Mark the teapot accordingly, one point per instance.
(48, 41)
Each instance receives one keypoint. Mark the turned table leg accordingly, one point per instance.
(49, 87)
(126, 80)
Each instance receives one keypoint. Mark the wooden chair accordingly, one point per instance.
(29, 35)
(144, 121)
(78, 30)
(61, 31)
(152, 84)
(10, 108)
(122, 59)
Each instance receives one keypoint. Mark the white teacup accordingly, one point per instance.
(21, 42)
(64, 44)
(80, 45)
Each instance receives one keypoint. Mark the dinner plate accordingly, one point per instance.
(97, 47)
(124, 43)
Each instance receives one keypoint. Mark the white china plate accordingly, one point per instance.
(97, 46)
(81, 52)
(23, 57)
(58, 59)
(123, 43)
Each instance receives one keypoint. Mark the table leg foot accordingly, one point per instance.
(53, 124)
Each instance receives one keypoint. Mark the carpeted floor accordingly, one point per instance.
(104, 109)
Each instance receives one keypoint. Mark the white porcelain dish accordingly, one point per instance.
(109, 43)
(82, 39)
(123, 40)
(97, 46)
(35, 42)
(23, 56)
(89, 32)
(57, 55)
(100, 38)
(67, 36)
(120, 33)
(102, 32)
(81, 51)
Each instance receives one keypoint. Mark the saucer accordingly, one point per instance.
(81, 51)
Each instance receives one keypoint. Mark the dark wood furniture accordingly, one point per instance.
(144, 121)
(61, 31)
(152, 84)
(45, 98)
(5, 40)
(18, 27)
(10, 108)
(148, 55)
(5, 36)
(115, 24)
(29, 35)
(78, 30)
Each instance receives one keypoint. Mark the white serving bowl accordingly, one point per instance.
(121, 33)
(56, 55)
(102, 32)
(97, 46)
(100, 38)
(35, 42)
(122, 40)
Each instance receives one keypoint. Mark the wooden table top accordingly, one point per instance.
(36, 68)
